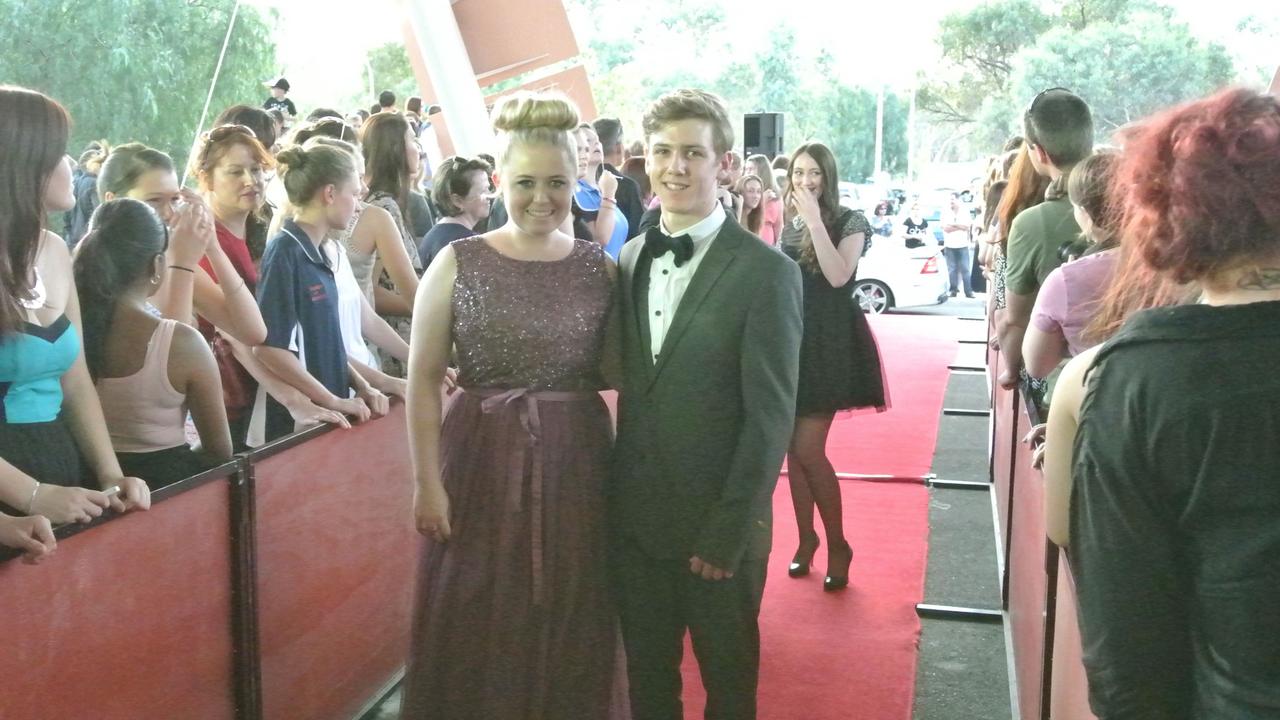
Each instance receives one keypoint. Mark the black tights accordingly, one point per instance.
(813, 482)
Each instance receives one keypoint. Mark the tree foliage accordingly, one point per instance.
(391, 70)
(1126, 58)
(628, 72)
(136, 69)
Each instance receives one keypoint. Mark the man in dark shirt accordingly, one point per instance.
(278, 101)
(628, 194)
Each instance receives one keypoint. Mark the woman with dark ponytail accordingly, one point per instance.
(148, 371)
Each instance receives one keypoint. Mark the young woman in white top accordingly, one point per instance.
(148, 371)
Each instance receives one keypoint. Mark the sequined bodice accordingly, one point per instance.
(523, 324)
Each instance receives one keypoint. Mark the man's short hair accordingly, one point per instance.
(609, 130)
(387, 99)
(1061, 123)
(686, 104)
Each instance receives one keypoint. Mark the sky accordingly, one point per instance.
(323, 53)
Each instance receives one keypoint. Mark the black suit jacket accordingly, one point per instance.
(702, 433)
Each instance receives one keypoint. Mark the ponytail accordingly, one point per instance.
(124, 237)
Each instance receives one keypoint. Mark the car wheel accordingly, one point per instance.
(873, 295)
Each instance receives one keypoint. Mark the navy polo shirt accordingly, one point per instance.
(298, 297)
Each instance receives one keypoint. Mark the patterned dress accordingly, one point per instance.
(513, 617)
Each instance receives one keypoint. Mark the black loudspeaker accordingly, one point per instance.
(762, 134)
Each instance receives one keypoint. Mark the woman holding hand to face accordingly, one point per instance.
(839, 362)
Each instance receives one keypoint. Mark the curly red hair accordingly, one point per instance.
(1200, 185)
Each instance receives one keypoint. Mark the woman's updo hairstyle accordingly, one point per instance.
(126, 164)
(306, 169)
(536, 118)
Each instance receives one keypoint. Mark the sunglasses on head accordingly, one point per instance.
(222, 132)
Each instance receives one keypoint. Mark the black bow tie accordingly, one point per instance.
(658, 243)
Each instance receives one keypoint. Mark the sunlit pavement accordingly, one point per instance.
(959, 306)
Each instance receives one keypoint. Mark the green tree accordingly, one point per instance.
(1127, 58)
(136, 69)
(1125, 72)
(391, 70)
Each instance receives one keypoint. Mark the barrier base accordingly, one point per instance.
(957, 484)
(966, 412)
(917, 479)
(954, 612)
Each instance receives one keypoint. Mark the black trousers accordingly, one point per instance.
(659, 599)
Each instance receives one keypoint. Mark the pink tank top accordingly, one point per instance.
(143, 411)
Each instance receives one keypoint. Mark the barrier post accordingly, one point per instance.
(244, 579)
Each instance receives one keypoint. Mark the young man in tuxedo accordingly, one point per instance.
(710, 326)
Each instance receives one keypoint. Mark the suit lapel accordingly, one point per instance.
(718, 258)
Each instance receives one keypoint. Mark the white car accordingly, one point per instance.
(892, 276)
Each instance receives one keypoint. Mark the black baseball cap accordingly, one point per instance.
(278, 83)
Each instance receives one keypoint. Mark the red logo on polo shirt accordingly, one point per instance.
(317, 292)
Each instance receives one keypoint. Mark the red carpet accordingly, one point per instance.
(852, 655)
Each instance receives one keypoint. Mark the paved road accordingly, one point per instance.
(957, 306)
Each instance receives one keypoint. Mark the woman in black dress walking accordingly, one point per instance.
(839, 362)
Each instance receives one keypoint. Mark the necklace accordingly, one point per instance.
(38, 294)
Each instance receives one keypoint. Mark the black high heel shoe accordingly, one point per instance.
(833, 581)
(803, 558)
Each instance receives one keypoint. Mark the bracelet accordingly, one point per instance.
(179, 267)
(611, 201)
(32, 502)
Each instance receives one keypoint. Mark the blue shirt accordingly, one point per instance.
(298, 296)
(32, 363)
(589, 199)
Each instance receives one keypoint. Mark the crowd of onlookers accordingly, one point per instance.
(1135, 296)
(1135, 293)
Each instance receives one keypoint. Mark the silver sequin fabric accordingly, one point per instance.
(530, 324)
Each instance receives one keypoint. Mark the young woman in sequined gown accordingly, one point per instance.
(513, 619)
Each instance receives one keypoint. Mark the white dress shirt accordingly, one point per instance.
(667, 282)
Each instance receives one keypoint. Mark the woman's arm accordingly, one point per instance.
(194, 371)
(1043, 350)
(378, 230)
(187, 243)
(611, 360)
(1060, 438)
(229, 306)
(607, 215)
(377, 331)
(838, 264)
(431, 341)
(285, 365)
(80, 403)
(299, 406)
(379, 380)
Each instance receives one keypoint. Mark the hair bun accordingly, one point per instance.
(524, 111)
(292, 157)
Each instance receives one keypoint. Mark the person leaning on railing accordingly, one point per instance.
(53, 439)
(148, 371)
(1175, 520)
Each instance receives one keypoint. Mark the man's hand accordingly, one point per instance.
(706, 570)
